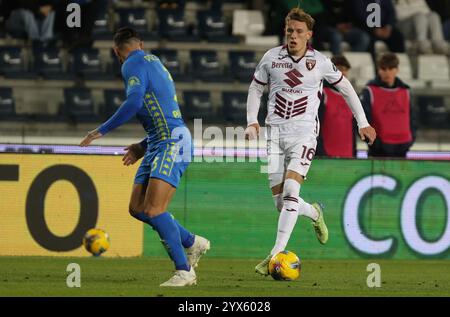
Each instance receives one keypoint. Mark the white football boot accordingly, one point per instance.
(182, 278)
(194, 253)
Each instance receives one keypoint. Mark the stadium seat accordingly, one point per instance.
(213, 27)
(12, 63)
(197, 104)
(100, 31)
(113, 99)
(79, 105)
(170, 60)
(173, 26)
(434, 69)
(362, 69)
(136, 19)
(248, 22)
(87, 63)
(406, 73)
(250, 25)
(114, 68)
(7, 106)
(48, 64)
(433, 113)
(242, 65)
(205, 66)
(234, 107)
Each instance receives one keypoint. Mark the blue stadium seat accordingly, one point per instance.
(12, 64)
(433, 113)
(197, 104)
(234, 107)
(136, 19)
(170, 60)
(242, 65)
(205, 66)
(7, 105)
(48, 64)
(114, 68)
(172, 26)
(87, 63)
(213, 27)
(79, 105)
(113, 99)
(100, 31)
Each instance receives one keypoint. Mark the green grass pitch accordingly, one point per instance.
(46, 276)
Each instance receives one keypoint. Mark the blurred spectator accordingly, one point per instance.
(418, 23)
(337, 125)
(32, 20)
(442, 7)
(171, 4)
(79, 37)
(387, 104)
(387, 32)
(279, 9)
(339, 26)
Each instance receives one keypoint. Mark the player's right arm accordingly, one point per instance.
(255, 92)
(136, 81)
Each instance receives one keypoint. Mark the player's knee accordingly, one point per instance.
(278, 201)
(132, 211)
(153, 211)
(290, 194)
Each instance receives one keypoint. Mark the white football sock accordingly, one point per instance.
(288, 216)
(278, 201)
(307, 210)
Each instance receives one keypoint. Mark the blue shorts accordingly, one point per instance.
(167, 162)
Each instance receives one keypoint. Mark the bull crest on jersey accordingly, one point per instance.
(294, 78)
(310, 64)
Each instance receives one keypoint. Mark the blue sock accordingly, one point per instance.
(187, 238)
(144, 218)
(168, 231)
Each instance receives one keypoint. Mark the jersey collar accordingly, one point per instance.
(284, 53)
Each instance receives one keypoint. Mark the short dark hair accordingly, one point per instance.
(388, 60)
(124, 35)
(341, 60)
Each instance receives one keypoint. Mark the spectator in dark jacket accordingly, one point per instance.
(387, 104)
(387, 32)
(442, 7)
(339, 26)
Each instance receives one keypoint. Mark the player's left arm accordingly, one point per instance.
(335, 77)
(136, 86)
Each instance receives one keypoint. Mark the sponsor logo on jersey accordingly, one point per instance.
(310, 64)
(293, 78)
(282, 65)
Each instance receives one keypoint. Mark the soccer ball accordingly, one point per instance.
(96, 241)
(285, 266)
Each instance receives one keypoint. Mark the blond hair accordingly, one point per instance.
(298, 14)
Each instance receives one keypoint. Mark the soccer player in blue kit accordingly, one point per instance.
(166, 151)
